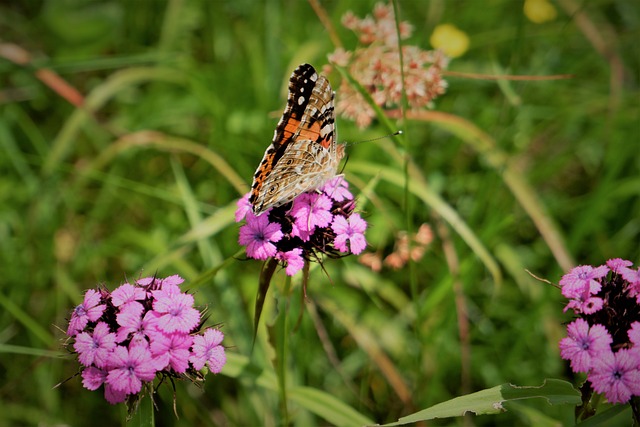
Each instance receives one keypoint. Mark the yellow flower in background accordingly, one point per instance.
(449, 39)
(539, 11)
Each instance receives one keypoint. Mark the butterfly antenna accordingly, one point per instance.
(398, 132)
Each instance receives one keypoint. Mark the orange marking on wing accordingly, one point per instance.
(311, 133)
(291, 127)
(259, 180)
(325, 143)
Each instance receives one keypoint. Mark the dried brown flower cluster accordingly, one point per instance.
(406, 247)
(375, 65)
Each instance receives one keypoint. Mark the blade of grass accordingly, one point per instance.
(432, 199)
(369, 344)
(499, 160)
(117, 82)
(30, 351)
(162, 141)
(210, 254)
(321, 403)
(31, 324)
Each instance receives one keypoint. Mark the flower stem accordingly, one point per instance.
(144, 415)
(281, 348)
(585, 410)
(635, 407)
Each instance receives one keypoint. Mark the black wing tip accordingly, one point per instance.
(304, 69)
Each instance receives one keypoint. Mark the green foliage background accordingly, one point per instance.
(182, 97)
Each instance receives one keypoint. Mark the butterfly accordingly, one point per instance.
(304, 153)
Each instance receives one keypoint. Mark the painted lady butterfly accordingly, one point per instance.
(304, 153)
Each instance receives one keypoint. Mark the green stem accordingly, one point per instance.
(144, 415)
(281, 365)
(635, 407)
(585, 410)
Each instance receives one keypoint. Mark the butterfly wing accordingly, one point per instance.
(303, 154)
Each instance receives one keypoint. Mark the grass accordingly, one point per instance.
(180, 101)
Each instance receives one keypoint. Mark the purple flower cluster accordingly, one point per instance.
(322, 221)
(125, 338)
(604, 342)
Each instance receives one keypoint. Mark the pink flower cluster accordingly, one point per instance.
(125, 338)
(604, 342)
(322, 221)
(375, 66)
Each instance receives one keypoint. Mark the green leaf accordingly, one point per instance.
(327, 406)
(617, 415)
(557, 392)
(324, 405)
(490, 401)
